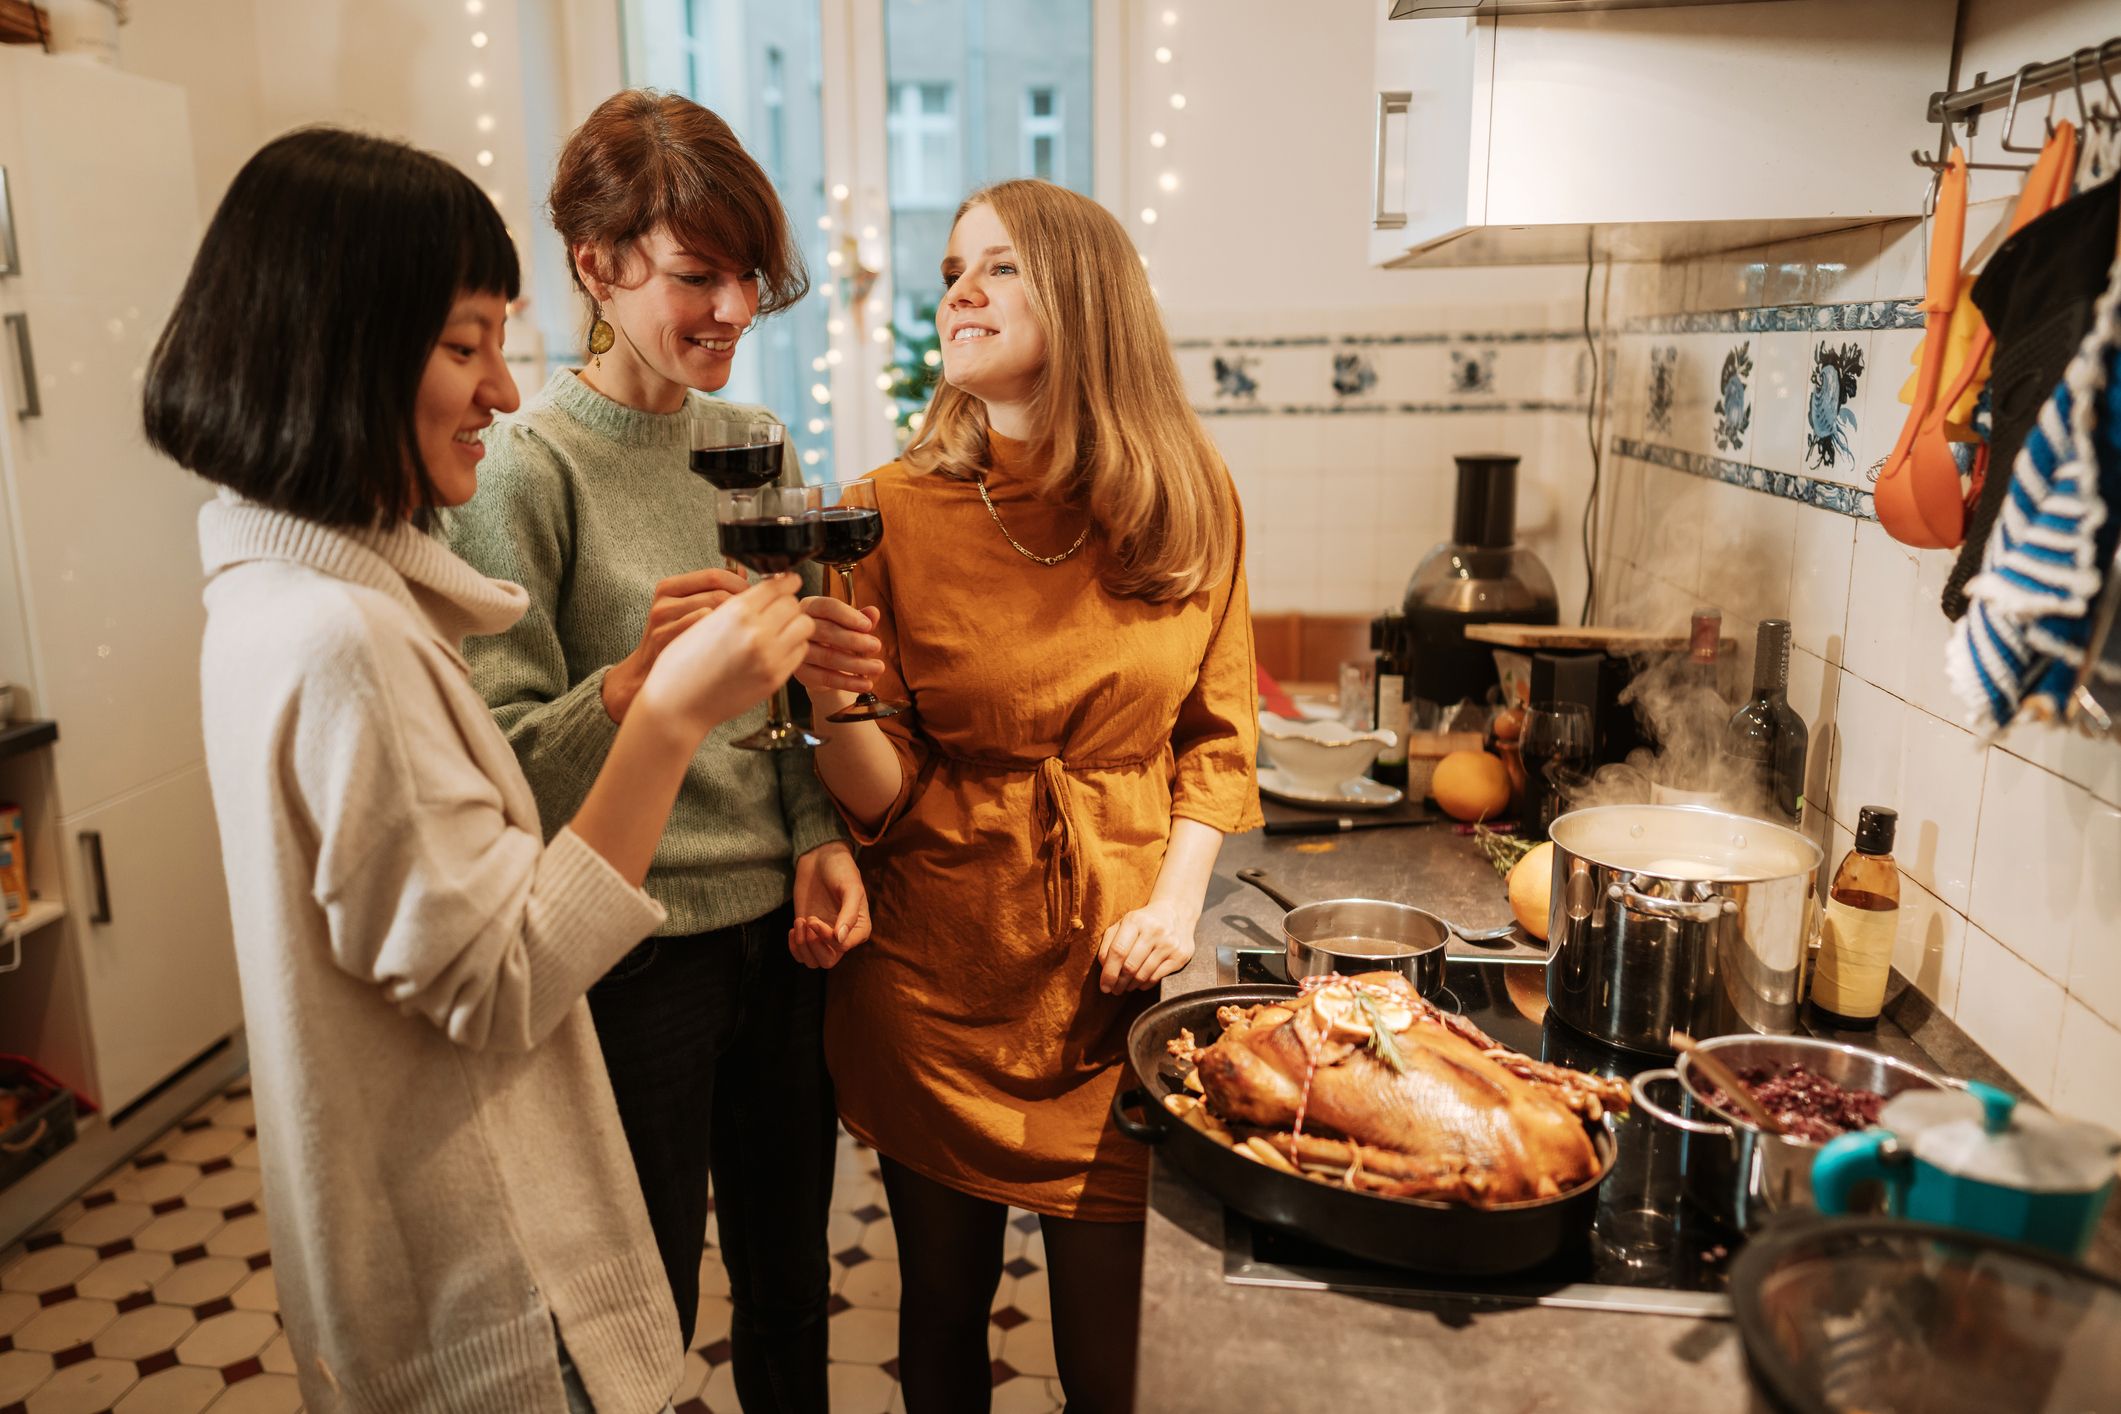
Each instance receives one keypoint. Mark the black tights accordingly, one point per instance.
(950, 1262)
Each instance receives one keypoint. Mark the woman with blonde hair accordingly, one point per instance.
(1062, 601)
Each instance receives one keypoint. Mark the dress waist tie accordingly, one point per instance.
(1054, 794)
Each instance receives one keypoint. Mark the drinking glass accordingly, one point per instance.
(770, 530)
(1557, 756)
(737, 456)
(853, 526)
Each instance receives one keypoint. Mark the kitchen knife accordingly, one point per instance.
(1327, 825)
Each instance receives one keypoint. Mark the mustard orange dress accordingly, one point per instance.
(1056, 731)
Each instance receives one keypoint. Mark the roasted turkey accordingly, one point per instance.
(1361, 1081)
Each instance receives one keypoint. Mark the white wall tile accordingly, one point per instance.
(1782, 380)
(1815, 691)
(1821, 557)
(2011, 1011)
(1883, 415)
(2089, 1059)
(1871, 724)
(2029, 868)
(1903, 259)
(1679, 506)
(2093, 764)
(1746, 542)
(1892, 754)
(1881, 600)
(2095, 944)
(1929, 944)
(1939, 803)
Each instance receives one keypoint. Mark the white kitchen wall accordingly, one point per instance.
(1259, 257)
(1725, 492)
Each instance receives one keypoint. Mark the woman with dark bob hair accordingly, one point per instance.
(712, 1029)
(452, 1208)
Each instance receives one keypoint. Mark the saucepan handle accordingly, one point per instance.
(1142, 1131)
(1258, 879)
(1640, 1086)
(1705, 911)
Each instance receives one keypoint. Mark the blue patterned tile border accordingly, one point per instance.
(1787, 319)
(1319, 341)
(1391, 409)
(1827, 495)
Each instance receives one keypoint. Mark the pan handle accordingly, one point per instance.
(1258, 879)
(1141, 1131)
(1640, 1086)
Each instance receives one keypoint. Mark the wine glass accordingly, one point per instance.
(770, 530)
(1556, 744)
(737, 456)
(854, 526)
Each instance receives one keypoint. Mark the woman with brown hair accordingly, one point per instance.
(711, 1028)
(1062, 601)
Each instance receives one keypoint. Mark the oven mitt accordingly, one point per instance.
(2037, 294)
(2027, 624)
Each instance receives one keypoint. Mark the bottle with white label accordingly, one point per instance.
(1862, 916)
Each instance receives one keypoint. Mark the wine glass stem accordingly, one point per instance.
(780, 708)
(864, 699)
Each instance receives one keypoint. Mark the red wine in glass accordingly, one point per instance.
(770, 545)
(770, 530)
(739, 468)
(851, 532)
(853, 524)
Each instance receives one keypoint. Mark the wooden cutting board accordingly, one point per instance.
(1532, 638)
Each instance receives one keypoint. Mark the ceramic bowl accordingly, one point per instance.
(1319, 754)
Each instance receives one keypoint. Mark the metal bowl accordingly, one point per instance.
(1733, 1168)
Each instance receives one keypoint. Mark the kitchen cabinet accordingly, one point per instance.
(100, 612)
(157, 970)
(1648, 134)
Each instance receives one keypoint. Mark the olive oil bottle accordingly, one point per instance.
(1862, 917)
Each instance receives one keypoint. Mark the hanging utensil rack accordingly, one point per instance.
(1963, 107)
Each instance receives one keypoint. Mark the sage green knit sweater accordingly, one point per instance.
(587, 503)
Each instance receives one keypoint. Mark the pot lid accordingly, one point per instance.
(1983, 1134)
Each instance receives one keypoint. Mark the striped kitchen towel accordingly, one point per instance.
(2027, 624)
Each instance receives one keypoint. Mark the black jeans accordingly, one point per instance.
(715, 1045)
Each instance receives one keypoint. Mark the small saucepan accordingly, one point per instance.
(1356, 935)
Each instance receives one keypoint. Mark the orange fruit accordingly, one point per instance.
(1471, 785)
(1531, 886)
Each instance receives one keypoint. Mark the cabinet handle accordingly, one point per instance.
(92, 844)
(10, 259)
(1391, 103)
(18, 325)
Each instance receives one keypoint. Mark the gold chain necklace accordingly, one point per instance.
(981, 482)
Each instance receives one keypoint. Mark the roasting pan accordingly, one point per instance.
(1451, 1239)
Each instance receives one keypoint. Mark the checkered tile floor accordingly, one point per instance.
(153, 1294)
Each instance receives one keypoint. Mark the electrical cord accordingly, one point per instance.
(1590, 427)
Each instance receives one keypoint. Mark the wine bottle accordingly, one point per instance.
(1862, 918)
(1764, 744)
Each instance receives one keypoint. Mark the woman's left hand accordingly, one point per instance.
(828, 886)
(1145, 947)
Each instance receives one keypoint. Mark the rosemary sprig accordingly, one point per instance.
(1381, 1043)
(1503, 851)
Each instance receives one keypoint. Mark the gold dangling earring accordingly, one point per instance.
(601, 338)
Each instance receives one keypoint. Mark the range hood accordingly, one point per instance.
(1479, 9)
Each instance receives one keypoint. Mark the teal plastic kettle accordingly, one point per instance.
(1976, 1160)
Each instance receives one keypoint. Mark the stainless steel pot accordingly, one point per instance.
(1372, 936)
(1672, 918)
(1737, 1171)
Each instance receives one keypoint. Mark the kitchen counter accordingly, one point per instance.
(1208, 1345)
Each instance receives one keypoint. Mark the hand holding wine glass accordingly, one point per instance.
(729, 661)
(852, 522)
(771, 530)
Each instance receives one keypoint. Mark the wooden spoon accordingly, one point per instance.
(1726, 1080)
